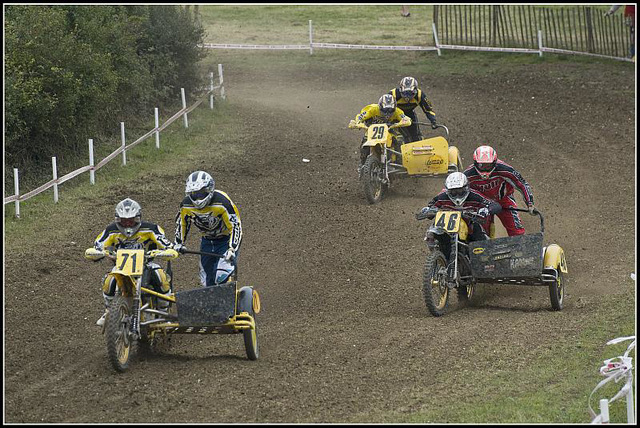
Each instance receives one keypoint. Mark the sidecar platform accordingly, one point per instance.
(207, 305)
(511, 260)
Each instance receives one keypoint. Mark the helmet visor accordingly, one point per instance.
(128, 222)
(485, 167)
(199, 194)
(407, 93)
(387, 112)
(457, 193)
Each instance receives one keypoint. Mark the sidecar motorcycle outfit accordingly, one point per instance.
(218, 219)
(497, 180)
(385, 111)
(408, 96)
(128, 231)
(458, 196)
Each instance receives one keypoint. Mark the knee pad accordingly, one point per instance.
(160, 280)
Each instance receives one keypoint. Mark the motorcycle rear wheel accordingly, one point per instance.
(119, 342)
(371, 179)
(556, 292)
(434, 288)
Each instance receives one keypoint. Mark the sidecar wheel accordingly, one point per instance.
(434, 288)
(371, 178)
(556, 292)
(117, 333)
(245, 304)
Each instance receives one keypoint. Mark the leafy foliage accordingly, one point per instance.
(74, 72)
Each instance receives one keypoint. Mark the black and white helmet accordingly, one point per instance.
(128, 217)
(199, 188)
(457, 187)
(387, 105)
(408, 87)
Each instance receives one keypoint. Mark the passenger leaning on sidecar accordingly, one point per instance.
(497, 181)
(408, 96)
(217, 217)
(457, 196)
(385, 111)
(129, 232)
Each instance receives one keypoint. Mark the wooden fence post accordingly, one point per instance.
(589, 24)
(92, 172)
(211, 88)
(221, 79)
(184, 106)
(310, 38)
(435, 38)
(16, 187)
(55, 177)
(540, 43)
(124, 152)
(157, 120)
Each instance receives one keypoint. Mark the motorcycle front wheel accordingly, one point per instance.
(119, 342)
(434, 287)
(371, 177)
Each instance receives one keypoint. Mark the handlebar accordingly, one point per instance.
(472, 214)
(96, 255)
(437, 126)
(535, 211)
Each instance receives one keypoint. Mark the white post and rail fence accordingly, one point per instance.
(613, 37)
(16, 198)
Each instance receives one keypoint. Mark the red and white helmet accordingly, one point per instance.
(485, 159)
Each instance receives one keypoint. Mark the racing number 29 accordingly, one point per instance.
(378, 132)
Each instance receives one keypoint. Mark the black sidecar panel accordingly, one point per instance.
(513, 257)
(207, 305)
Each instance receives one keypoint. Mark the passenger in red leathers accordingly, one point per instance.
(497, 180)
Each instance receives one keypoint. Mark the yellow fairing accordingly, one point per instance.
(464, 231)
(429, 156)
(378, 134)
(554, 258)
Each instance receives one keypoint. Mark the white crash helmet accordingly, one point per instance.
(199, 188)
(408, 87)
(457, 187)
(387, 105)
(128, 217)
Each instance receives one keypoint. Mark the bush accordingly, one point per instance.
(74, 72)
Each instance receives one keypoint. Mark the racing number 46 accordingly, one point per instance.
(448, 221)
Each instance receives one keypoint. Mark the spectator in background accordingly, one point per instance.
(630, 15)
(405, 11)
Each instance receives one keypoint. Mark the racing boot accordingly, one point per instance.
(107, 302)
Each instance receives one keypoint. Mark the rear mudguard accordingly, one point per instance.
(248, 300)
(454, 159)
(554, 258)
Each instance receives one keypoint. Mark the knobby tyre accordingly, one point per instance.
(434, 288)
(119, 343)
(250, 335)
(372, 179)
(556, 292)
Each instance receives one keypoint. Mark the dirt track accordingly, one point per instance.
(344, 330)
